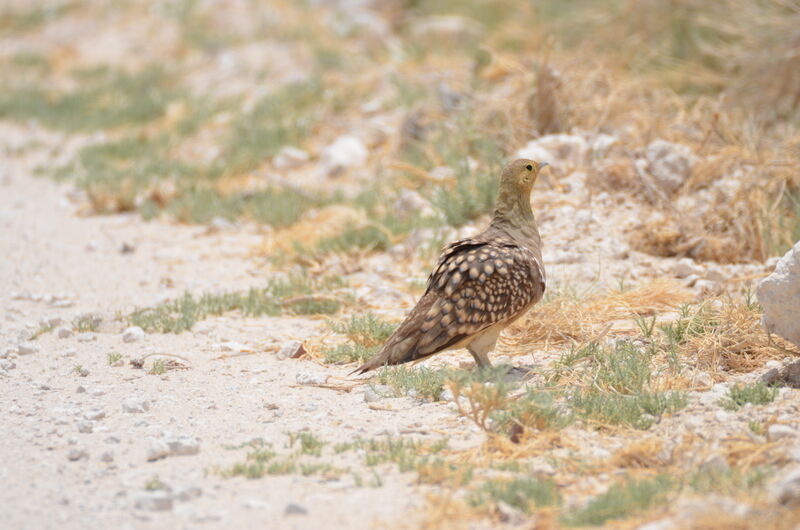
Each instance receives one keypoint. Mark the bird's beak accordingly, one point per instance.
(543, 164)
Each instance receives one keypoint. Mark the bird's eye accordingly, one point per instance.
(529, 167)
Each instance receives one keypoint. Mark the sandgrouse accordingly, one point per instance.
(480, 284)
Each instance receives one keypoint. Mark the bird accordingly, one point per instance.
(480, 285)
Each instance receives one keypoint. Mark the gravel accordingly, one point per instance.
(135, 405)
(311, 378)
(26, 348)
(154, 501)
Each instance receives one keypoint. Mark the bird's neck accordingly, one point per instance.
(513, 215)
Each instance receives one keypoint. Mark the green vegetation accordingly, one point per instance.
(524, 493)
(622, 500)
(160, 366)
(87, 322)
(297, 293)
(113, 358)
(309, 444)
(755, 393)
(154, 484)
(365, 334)
(423, 383)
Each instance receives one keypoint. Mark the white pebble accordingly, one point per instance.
(133, 334)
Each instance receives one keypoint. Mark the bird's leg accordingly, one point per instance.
(481, 358)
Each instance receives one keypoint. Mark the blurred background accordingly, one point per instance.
(362, 123)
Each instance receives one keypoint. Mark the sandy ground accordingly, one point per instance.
(53, 257)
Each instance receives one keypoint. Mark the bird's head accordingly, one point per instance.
(519, 177)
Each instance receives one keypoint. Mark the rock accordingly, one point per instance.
(409, 202)
(776, 431)
(669, 163)
(6, 364)
(135, 405)
(26, 348)
(788, 376)
(779, 294)
(188, 493)
(661, 524)
(555, 257)
(345, 152)
(555, 149)
(602, 144)
(294, 509)
(714, 464)
(63, 332)
(154, 501)
(182, 445)
(157, 450)
(685, 268)
(76, 454)
(447, 395)
(107, 456)
(311, 378)
(787, 490)
(235, 347)
(446, 29)
(85, 426)
(94, 414)
(509, 514)
(133, 334)
(290, 158)
(292, 350)
(376, 392)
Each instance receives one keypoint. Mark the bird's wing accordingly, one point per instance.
(475, 285)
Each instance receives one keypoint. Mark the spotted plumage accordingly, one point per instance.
(480, 285)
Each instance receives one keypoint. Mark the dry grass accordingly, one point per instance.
(609, 313)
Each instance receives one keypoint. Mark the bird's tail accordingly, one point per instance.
(397, 350)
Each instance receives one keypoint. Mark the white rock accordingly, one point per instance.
(311, 378)
(555, 149)
(447, 395)
(787, 490)
(133, 334)
(290, 158)
(669, 163)
(345, 152)
(291, 350)
(26, 348)
(685, 268)
(107, 456)
(376, 392)
(188, 493)
(76, 454)
(779, 295)
(777, 431)
(85, 426)
(94, 414)
(446, 28)
(235, 347)
(602, 143)
(157, 449)
(7, 364)
(154, 501)
(135, 405)
(182, 445)
(410, 202)
(63, 332)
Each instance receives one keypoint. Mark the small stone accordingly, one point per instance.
(182, 445)
(112, 440)
(345, 152)
(292, 350)
(447, 395)
(375, 392)
(135, 405)
(294, 509)
(26, 348)
(669, 163)
(311, 378)
(85, 426)
(714, 464)
(133, 334)
(80, 390)
(290, 158)
(157, 449)
(779, 294)
(6, 364)
(788, 375)
(685, 268)
(776, 431)
(70, 352)
(63, 332)
(107, 456)
(155, 501)
(509, 514)
(94, 414)
(188, 493)
(787, 490)
(76, 454)
(235, 347)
